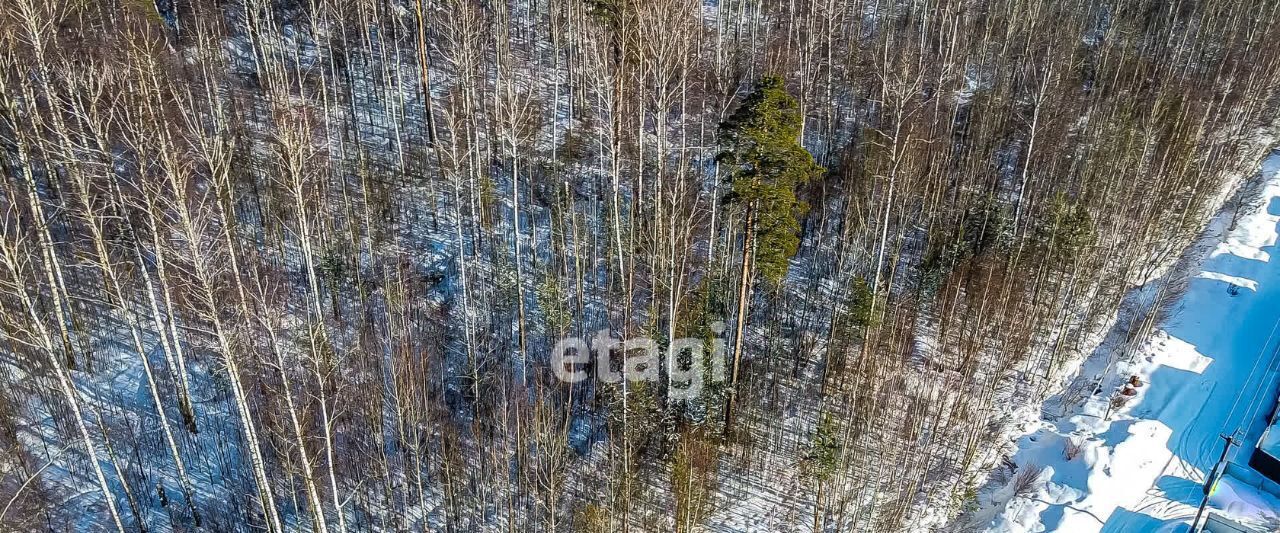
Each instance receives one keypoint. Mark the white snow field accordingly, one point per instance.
(1208, 369)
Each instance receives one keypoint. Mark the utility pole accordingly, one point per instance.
(1212, 481)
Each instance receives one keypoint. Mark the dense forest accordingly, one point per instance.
(310, 265)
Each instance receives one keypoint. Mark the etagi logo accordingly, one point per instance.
(641, 360)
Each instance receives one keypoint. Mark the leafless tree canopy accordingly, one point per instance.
(300, 265)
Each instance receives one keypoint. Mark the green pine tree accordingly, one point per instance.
(1066, 229)
(768, 164)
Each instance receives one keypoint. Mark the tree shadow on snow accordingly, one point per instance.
(1126, 521)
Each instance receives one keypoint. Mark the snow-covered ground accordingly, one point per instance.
(1207, 370)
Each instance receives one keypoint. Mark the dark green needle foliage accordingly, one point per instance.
(768, 164)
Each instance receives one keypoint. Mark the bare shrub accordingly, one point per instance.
(1027, 481)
